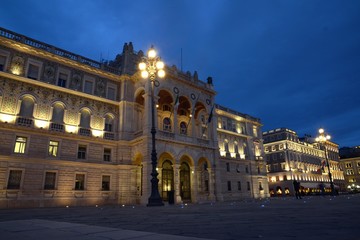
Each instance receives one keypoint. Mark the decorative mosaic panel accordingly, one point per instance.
(72, 117)
(42, 111)
(97, 122)
(17, 65)
(9, 105)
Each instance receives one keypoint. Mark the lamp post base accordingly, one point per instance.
(155, 202)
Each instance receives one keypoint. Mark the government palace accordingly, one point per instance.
(77, 132)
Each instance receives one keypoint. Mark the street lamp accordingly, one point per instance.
(322, 138)
(150, 67)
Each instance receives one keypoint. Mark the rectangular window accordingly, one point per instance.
(53, 148)
(111, 94)
(20, 144)
(260, 186)
(82, 152)
(107, 154)
(228, 167)
(62, 79)
(229, 185)
(33, 71)
(248, 186)
(105, 183)
(358, 164)
(88, 87)
(2, 63)
(255, 133)
(246, 169)
(349, 172)
(79, 181)
(50, 180)
(14, 180)
(239, 185)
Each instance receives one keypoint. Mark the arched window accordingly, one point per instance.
(85, 122)
(27, 107)
(167, 124)
(108, 123)
(26, 112)
(58, 113)
(85, 118)
(226, 145)
(183, 128)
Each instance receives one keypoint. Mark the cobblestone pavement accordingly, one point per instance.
(275, 218)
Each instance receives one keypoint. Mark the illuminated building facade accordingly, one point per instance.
(289, 158)
(77, 132)
(350, 163)
(241, 155)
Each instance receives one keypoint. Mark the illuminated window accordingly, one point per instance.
(82, 152)
(255, 133)
(50, 180)
(348, 165)
(14, 180)
(20, 144)
(105, 183)
(358, 164)
(79, 181)
(107, 155)
(53, 148)
(352, 180)
(349, 172)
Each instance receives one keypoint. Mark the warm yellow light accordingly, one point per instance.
(7, 118)
(321, 130)
(142, 66)
(161, 73)
(16, 70)
(190, 115)
(157, 105)
(41, 123)
(317, 139)
(144, 74)
(96, 133)
(71, 128)
(160, 65)
(328, 137)
(152, 53)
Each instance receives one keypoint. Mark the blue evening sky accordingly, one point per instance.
(291, 63)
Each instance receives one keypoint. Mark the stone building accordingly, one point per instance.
(77, 132)
(350, 163)
(289, 158)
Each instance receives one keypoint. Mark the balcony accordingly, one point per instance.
(26, 122)
(57, 127)
(85, 132)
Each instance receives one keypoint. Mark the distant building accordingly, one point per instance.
(350, 163)
(289, 158)
(75, 131)
(241, 155)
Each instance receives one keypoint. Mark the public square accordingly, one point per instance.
(274, 218)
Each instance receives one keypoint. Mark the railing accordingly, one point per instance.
(85, 132)
(109, 136)
(27, 122)
(57, 51)
(57, 127)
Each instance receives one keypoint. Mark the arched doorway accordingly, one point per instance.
(167, 179)
(185, 189)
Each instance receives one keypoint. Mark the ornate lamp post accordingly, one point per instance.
(322, 138)
(150, 67)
